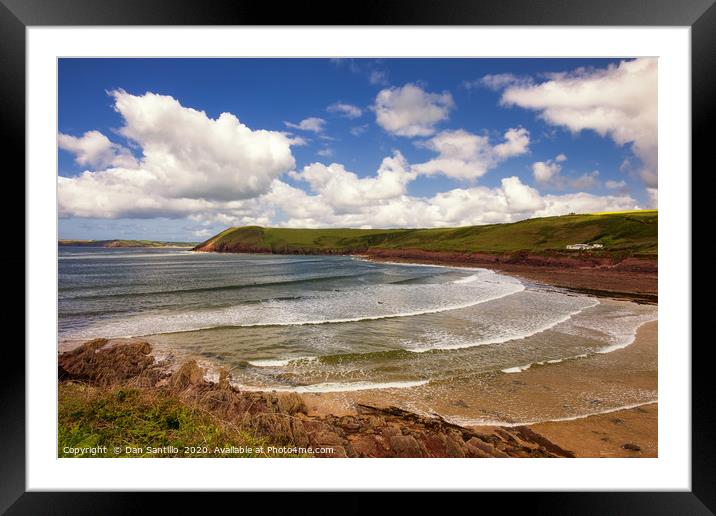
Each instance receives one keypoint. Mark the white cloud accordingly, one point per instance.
(584, 203)
(549, 173)
(359, 129)
(520, 197)
(411, 111)
(498, 81)
(378, 77)
(203, 233)
(296, 141)
(313, 124)
(93, 149)
(347, 110)
(463, 155)
(544, 171)
(653, 194)
(325, 153)
(619, 102)
(615, 185)
(218, 172)
(341, 189)
(337, 206)
(190, 163)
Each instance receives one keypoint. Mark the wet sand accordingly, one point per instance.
(599, 384)
(635, 282)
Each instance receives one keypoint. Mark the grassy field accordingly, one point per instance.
(630, 233)
(121, 417)
(123, 243)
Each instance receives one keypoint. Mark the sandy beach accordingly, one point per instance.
(608, 432)
(598, 405)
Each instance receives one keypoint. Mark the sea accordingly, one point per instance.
(439, 340)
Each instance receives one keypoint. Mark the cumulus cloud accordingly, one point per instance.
(313, 124)
(219, 172)
(332, 205)
(93, 149)
(411, 111)
(346, 110)
(464, 155)
(342, 189)
(545, 171)
(190, 163)
(619, 102)
(548, 173)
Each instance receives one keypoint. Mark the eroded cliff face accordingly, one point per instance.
(284, 418)
(562, 260)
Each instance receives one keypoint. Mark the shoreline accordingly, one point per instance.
(641, 287)
(596, 434)
(628, 431)
(104, 373)
(632, 278)
(589, 435)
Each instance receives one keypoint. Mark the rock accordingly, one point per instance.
(224, 378)
(290, 403)
(406, 446)
(455, 446)
(299, 434)
(390, 431)
(189, 374)
(631, 447)
(436, 445)
(473, 451)
(100, 361)
(326, 438)
(617, 421)
(484, 447)
(367, 446)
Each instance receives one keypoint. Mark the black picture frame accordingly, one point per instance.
(17, 15)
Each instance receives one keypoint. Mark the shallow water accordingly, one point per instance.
(338, 324)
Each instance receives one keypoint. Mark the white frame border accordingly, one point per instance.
(672, 470)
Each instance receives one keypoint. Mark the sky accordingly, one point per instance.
(181, 149)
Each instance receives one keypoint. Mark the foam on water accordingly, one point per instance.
(361, 303)
(463, 421)
(554, 309)
(279, 362)
(336, 386)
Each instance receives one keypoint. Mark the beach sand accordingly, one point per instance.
(603, 433)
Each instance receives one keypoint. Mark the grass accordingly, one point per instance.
(123, 418)
(623, 233)
(124, 243)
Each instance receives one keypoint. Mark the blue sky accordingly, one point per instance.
(137, 158)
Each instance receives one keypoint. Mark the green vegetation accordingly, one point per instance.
(623, 233)
(124, 417)
(123, 243)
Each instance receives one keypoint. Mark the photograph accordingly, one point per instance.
(357, 257)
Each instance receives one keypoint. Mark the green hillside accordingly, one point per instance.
(633, 233)
(123, 243)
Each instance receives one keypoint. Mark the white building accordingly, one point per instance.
(582, 247)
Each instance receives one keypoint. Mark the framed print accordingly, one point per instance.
(422, 252)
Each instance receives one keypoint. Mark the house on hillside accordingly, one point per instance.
(584, 247)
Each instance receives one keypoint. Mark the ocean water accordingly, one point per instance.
(336, 324)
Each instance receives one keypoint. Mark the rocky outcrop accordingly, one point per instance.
(284, 418)
(103, 362)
